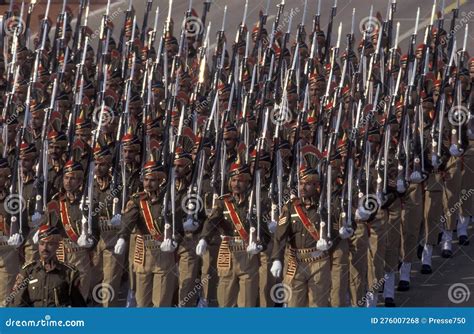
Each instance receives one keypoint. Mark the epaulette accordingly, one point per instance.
(225, 196)
(139, 195)
(58, 196)
(69, 266)
(29, 264)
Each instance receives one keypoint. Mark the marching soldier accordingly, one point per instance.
(238, 260)
(66, 211)
(154, 258)
(108, 266)
(9, 254)
(307, 268)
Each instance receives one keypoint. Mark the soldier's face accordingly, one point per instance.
(4, 179)
(27, 164)
(151, 183)
(72, 181)
(11, 134)
(181, 170)
(102, 168)
(230, 142)
(47, 249)
(308, 188)
(37, 120)
(239, 185)
(56, 151)
(129, 155)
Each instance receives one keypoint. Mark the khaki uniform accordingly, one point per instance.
(358, 258)
(155, 271)
(52, 285)
(467, 183)
(411, 220)
(9, 257)
(108, 266)
(67, 217)
(308, 270)
(238, 271)
(29, 194)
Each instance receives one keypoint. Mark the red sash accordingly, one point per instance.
(306, 223)
(154, 231)
(66, 223)
(234, 217)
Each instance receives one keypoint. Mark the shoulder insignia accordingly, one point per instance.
(130, 205)
(283, 220)
(29, 264)
(225, 196)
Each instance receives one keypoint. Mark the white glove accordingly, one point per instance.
(346, 232)
(119, 246)
(323, 244)
(15, 240)
(253, 248)
(401, 187)
(435, 161)
(36, 237)
(272, 226)
(362, 214)
(36, 219)
(276, 268)
(168, 246)
(84, 241)
(455, 151)
(201, 247)
(116, 220)
(416, 177)
(190, 225)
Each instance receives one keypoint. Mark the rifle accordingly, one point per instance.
(328, 35)
(149, 3)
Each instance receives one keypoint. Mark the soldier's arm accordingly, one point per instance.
(129, 219)
(265, 235)
(281, 234)
(212, 222)
(19, 296)
(74, 290)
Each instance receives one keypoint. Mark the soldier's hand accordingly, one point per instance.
(116, 220)
(276, 268)
(36, 218)
(168, 246)
(272, 226)
(455, 151)
(119, 246)
(201, 247)
(84, 241)
(190, 225)
(15, 240)
(253, 248)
